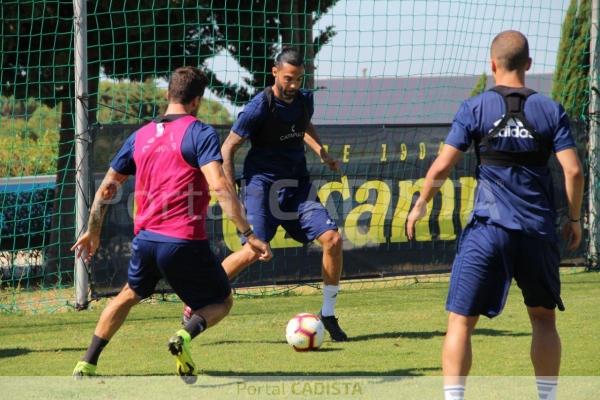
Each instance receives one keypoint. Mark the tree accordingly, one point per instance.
(480, 85)
(135, 102)
(254, 31)
(570, 83)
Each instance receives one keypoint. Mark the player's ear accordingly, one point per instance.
(528, 65)
(493, 66)
(274, 71)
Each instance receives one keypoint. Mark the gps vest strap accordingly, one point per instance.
(514, 100)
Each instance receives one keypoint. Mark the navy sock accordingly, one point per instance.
(93, 352)
(195, 325)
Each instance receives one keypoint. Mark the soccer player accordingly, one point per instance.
(175, 159)
(511, 232)
(277, 188)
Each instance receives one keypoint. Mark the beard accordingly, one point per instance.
(287, 94)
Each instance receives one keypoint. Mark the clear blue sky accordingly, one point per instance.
(416, 38)
(408, 38)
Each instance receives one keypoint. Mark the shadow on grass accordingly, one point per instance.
(397, 335)
(295, 375)
(432, 334)
(219, 342)
(499, 332)
(387, 335)
(20, 351)
(86, 321)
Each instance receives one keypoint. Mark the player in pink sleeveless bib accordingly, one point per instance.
(164, 191)
(175, 159)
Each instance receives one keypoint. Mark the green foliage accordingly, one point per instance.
(11, 107)
(24, 156)
(134, 103)
(480, 85)
(28, 146)
(570, 84)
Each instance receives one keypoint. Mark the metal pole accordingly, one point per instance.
(82, 142)
(593, 139)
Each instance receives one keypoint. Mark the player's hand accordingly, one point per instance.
(331, 162)
(418, 212)
(572, 234)
(260, 247)
(86, 246)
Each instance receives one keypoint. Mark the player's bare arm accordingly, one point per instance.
(230, 147)
(88, 242)
(574, 181)
(435, 178)
(311, 138)
(225, 191)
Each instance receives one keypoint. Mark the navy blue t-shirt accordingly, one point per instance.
(518, 198)
(200, 145)
(273, 163)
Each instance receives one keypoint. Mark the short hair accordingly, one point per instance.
(289, 55)
(510, 49)
(185, 84)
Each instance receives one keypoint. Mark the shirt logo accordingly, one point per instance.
(514, 128)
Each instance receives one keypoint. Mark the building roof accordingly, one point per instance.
(413, 100)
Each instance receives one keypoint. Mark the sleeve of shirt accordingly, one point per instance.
(250, 118)
(201, 145)
(123, 161)
(563, 138)
(460, 132)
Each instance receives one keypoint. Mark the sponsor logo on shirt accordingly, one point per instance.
(514, 128)
(291, 135)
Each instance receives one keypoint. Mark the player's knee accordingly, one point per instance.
(127, 297)
(332, 241)
(542, 317)
(462, 323)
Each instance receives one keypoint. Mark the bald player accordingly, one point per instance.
(511, 232)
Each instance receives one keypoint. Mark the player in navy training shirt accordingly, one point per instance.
(511, 232)
(277, 188)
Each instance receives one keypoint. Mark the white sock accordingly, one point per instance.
(454, 392)
(329, 298)
(546, 389)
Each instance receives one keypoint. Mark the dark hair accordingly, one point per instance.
(289, 55)
(186, 84)
(510, 49)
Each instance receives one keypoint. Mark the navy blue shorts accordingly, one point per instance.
(191, 269)
(488, 257)
(293, 204)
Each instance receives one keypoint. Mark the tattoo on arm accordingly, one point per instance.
(97, 214)
(106, 192)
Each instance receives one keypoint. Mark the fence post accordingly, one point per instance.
(82, 144)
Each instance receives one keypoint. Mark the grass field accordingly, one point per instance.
(394, 331)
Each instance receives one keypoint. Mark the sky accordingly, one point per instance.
(412, 38)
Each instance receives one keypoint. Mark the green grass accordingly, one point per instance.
(394, 331)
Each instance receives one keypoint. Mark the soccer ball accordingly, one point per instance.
(305, 332)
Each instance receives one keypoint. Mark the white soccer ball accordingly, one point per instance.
(305, 332)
